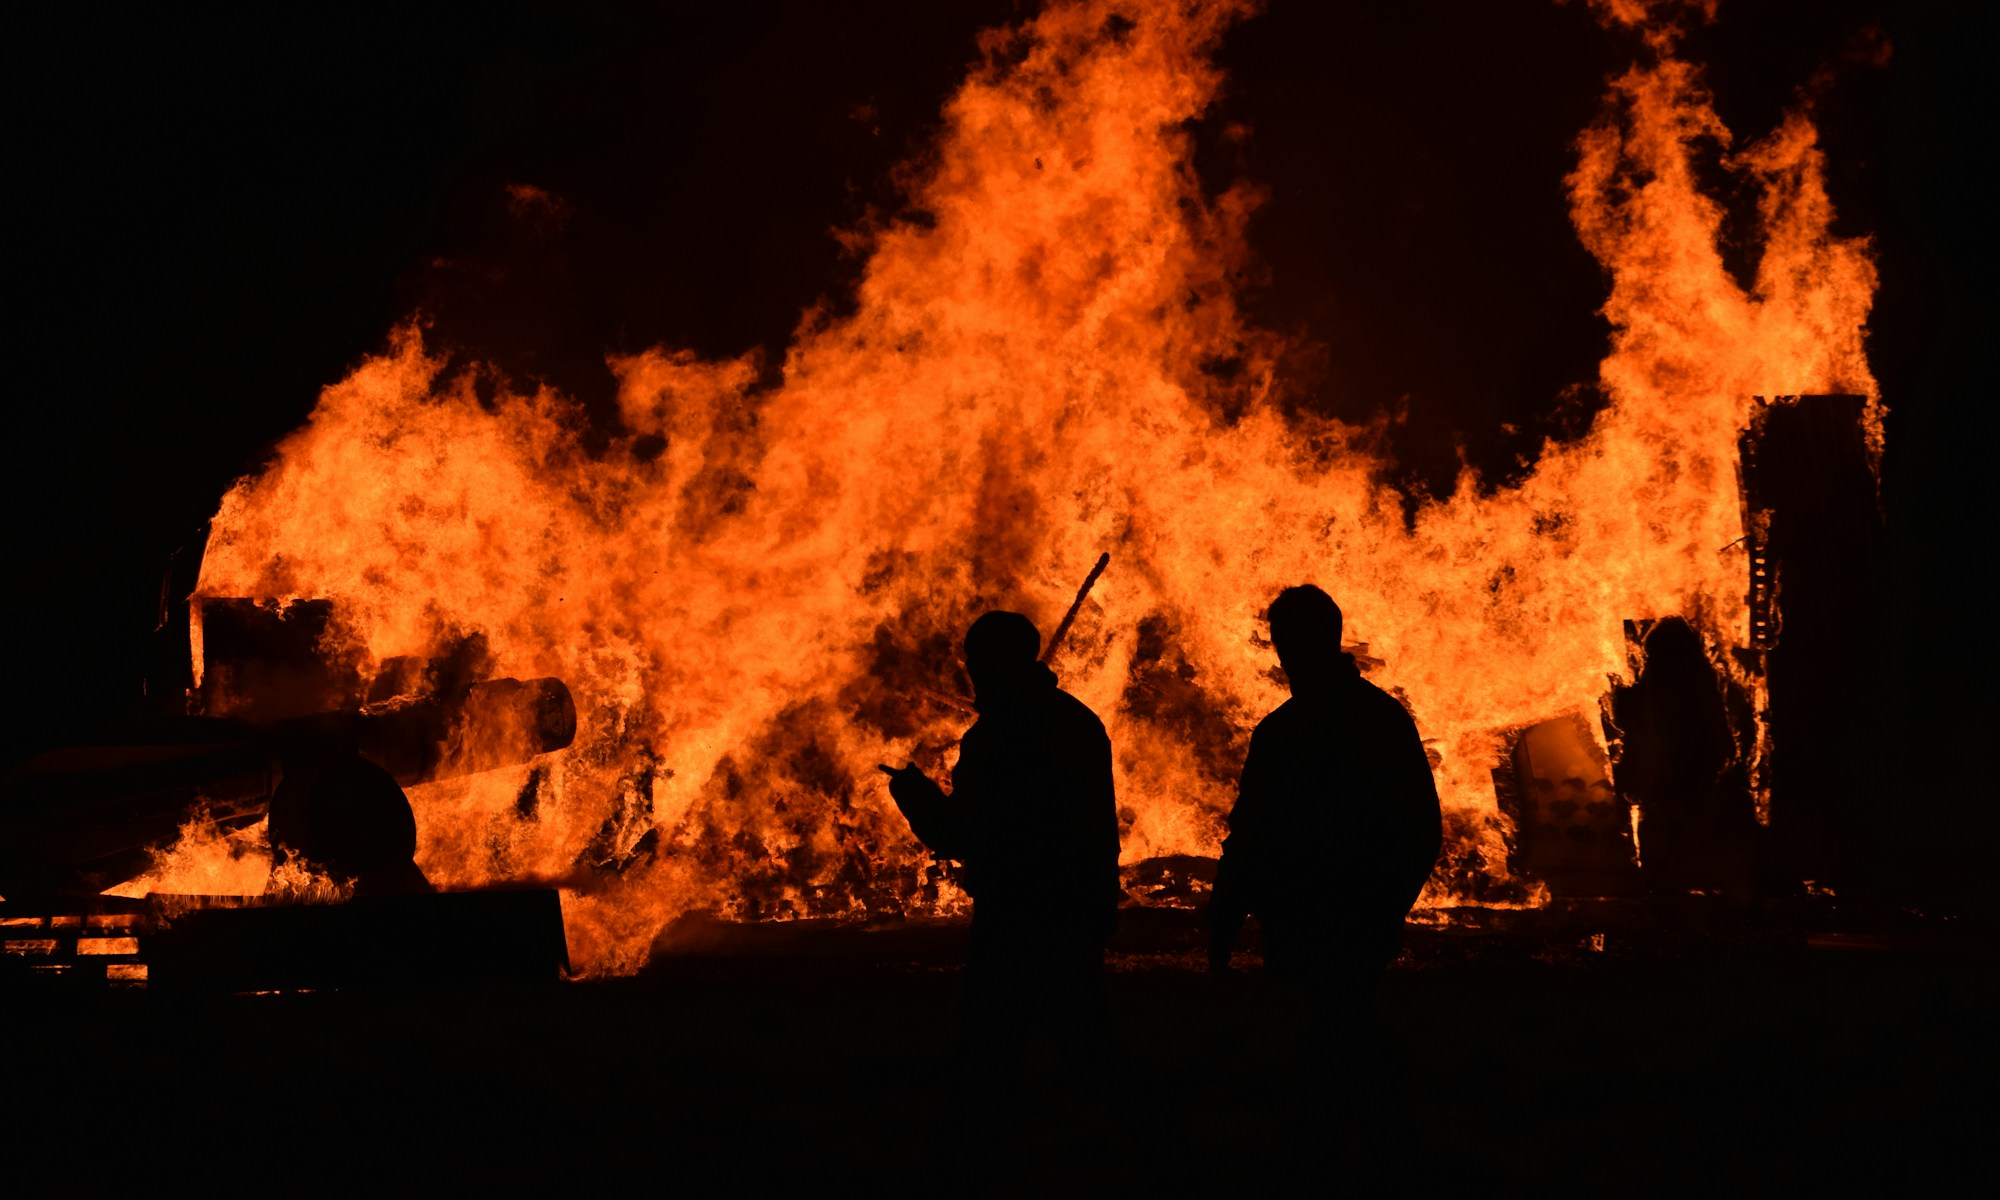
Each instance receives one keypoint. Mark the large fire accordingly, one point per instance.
(755, 592)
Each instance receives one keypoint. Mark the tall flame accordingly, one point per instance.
(755, 592)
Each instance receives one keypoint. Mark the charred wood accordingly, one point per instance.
(1820, 541)
(78, 819)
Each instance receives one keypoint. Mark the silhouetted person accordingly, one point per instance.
(1033, 817)
(1336, 824)
(1695, 819)
(344, 816)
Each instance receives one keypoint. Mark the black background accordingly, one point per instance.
(216, 215)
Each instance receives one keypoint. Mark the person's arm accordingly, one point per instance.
(1229, 904)
(1226, 910)
(1103, 804)
(939, 821)
(1419, 830)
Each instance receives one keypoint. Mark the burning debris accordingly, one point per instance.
(283, 786)
(749, 591)
(1573, 829)
(273, 707)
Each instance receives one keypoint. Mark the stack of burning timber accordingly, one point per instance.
(1711, 773)
(82, 818)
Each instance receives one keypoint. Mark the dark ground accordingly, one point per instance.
(1705, 1047)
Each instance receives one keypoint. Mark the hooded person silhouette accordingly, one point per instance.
(1681, 765)
(1033, 817)
(1336, 824)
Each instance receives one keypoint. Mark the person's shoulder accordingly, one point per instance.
(1291, 722)
(1076, 713)
(1384, 706)
(980, 730)
(1287, 714)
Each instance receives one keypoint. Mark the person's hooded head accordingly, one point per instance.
(1002, 654)
(1305, 630)
(1674, 651)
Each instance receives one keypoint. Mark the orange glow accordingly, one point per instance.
(107, 945)
(752, 618)
(207, 860)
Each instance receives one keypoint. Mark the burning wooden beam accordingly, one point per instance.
(85, 817)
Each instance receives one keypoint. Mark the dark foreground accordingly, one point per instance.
(1703, 1047)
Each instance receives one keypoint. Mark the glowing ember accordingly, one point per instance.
(756, 594)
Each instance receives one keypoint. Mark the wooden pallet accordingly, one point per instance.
(94, 948)
(257, 944)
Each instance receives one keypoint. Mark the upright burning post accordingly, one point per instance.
(1819, 558)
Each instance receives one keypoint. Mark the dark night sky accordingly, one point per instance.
(217, 215)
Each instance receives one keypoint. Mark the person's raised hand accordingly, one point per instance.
(908, 785)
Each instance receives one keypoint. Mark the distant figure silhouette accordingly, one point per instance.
(344, 816)
(1679, 762)
(1033, 817)
(1336, 824)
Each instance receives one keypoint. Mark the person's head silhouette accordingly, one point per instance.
(1674, 648)
(1305, 629)
(1001, 652)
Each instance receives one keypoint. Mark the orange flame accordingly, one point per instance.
(755, 614)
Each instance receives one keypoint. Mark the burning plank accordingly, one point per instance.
(82, 818)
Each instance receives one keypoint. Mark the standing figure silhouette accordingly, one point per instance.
(1033, 817)
(1680, 763)
(1335, 828)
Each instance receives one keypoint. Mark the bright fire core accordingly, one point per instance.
(755, 592)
